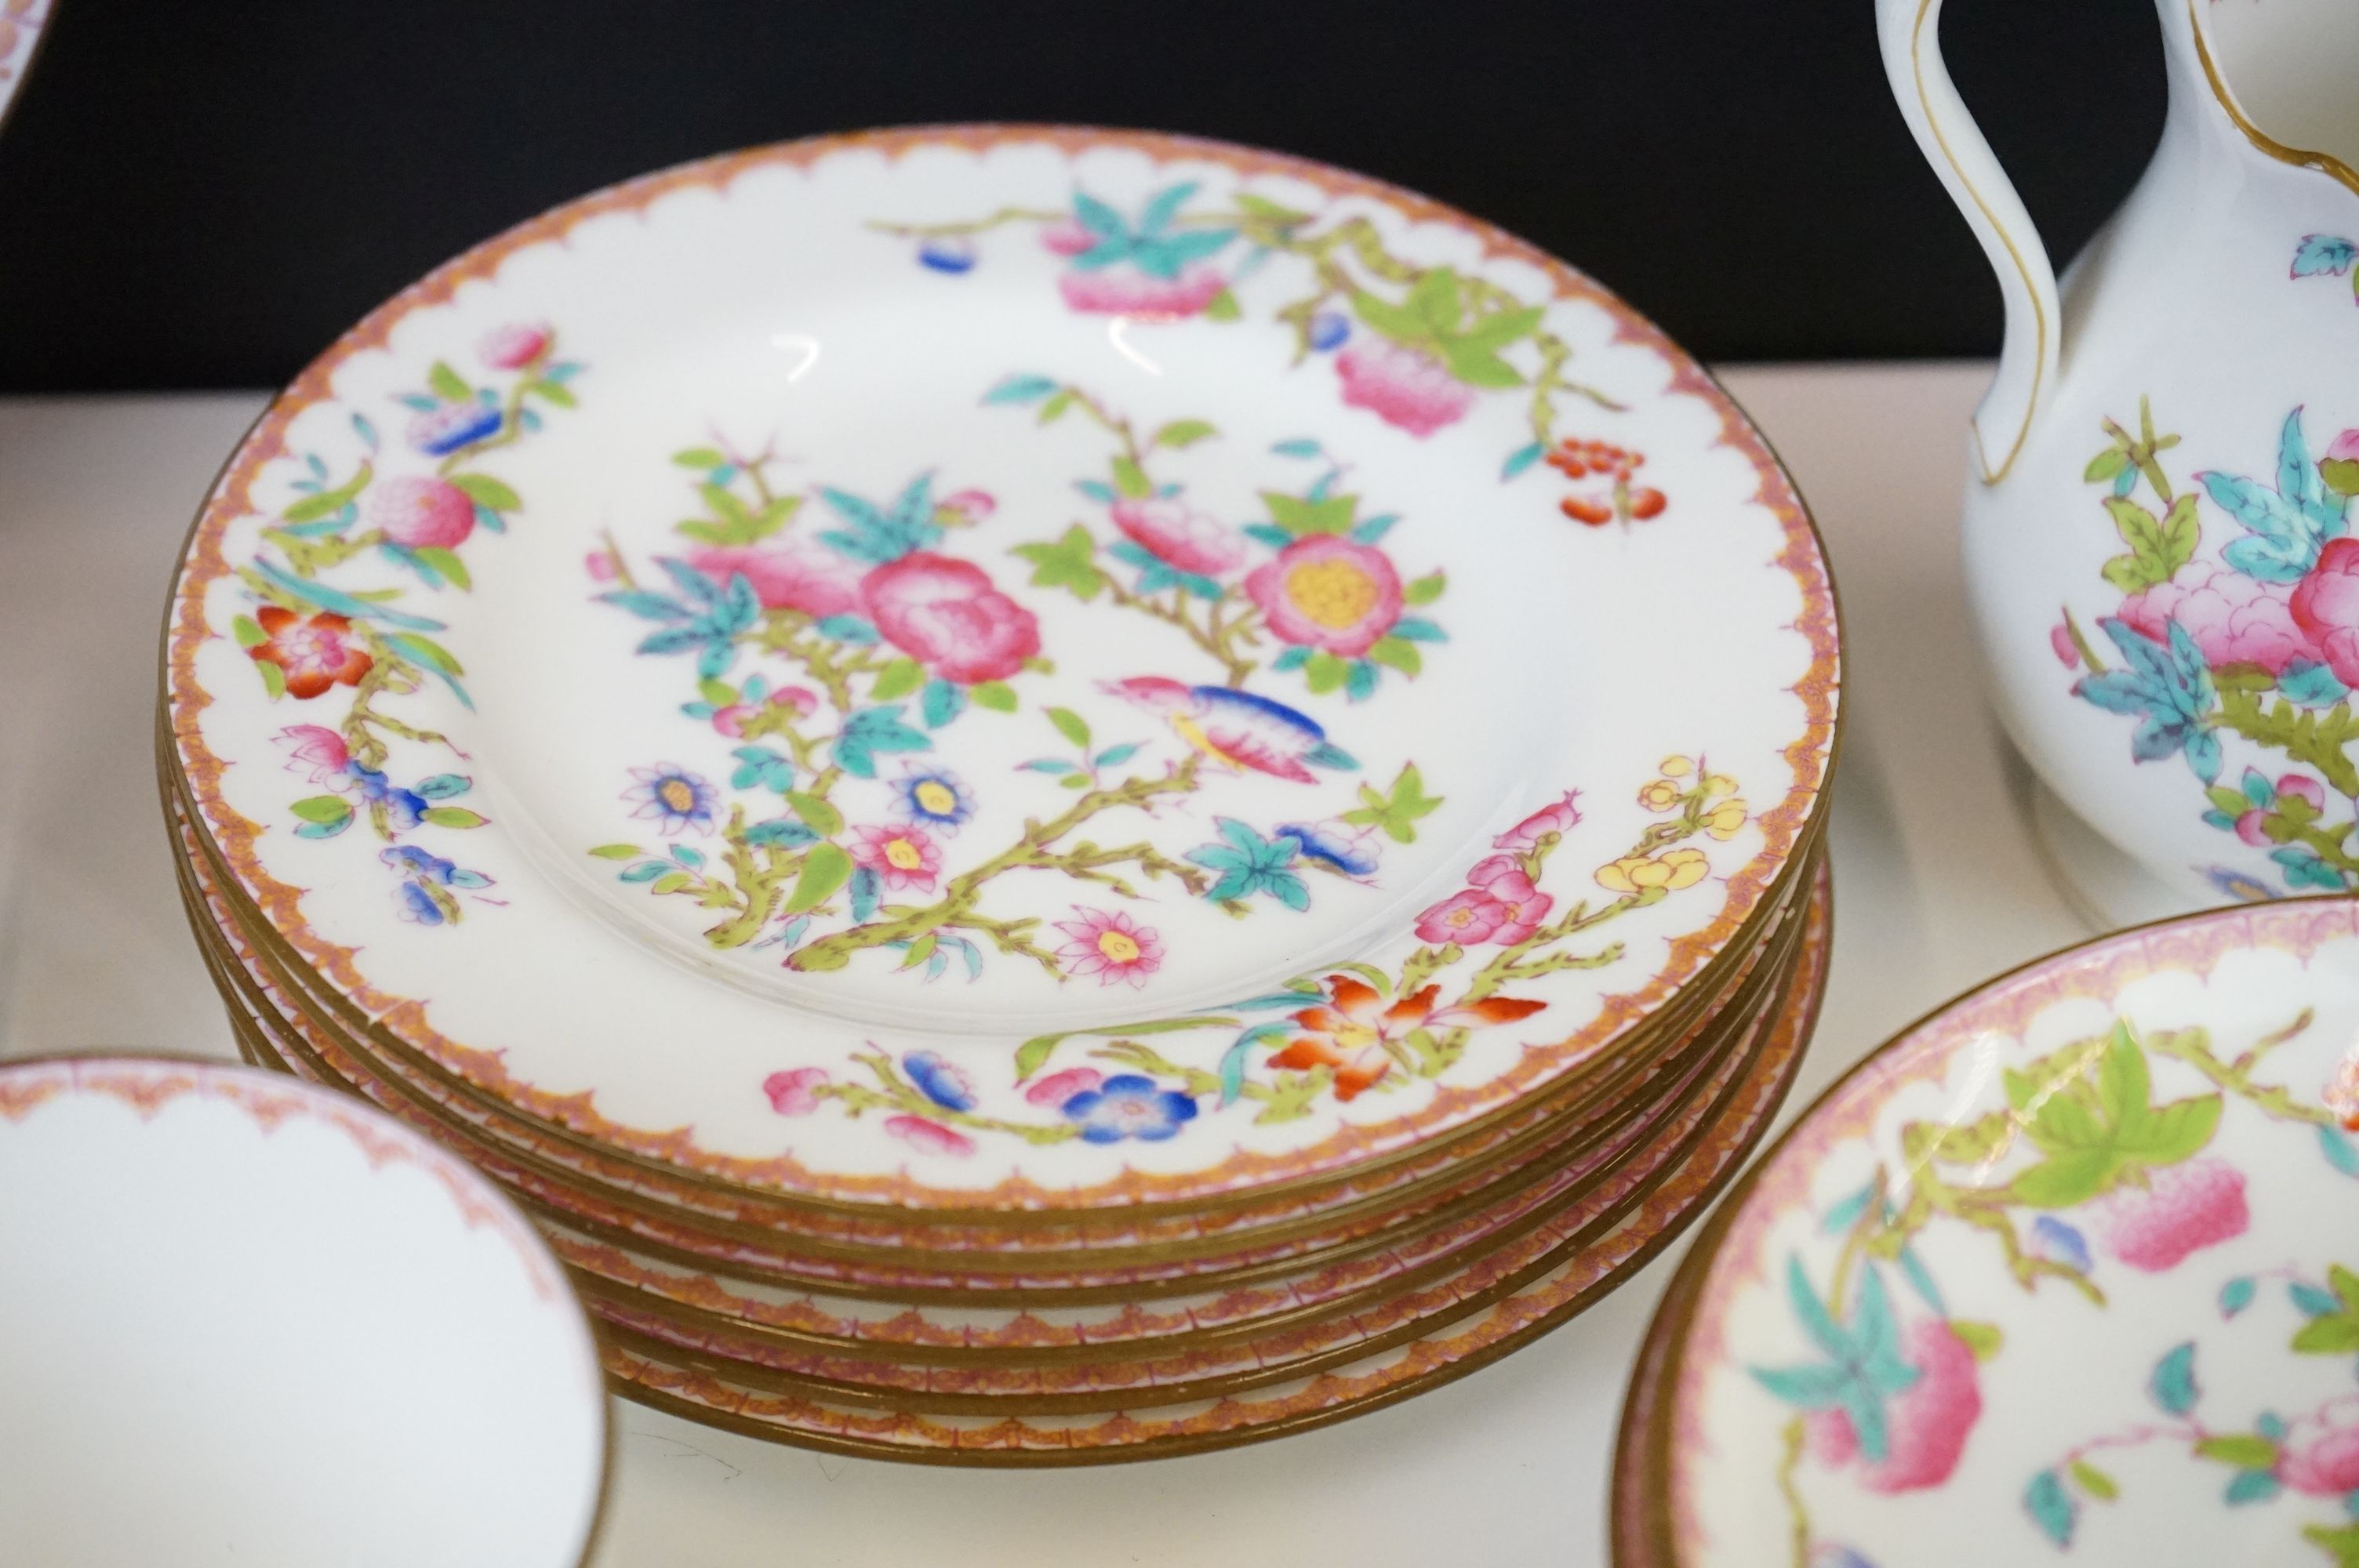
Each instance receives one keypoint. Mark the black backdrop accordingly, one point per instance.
(204, 195)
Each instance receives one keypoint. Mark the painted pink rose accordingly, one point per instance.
(2324, 1466)
(1926, 1424)
(2181, 1210)
(1465, 917)
(1402, 386)
(1125, 291)
(2232, 617)
(2326, 608)
(2310, 789)
(902, 857)
(2344, 448)
(1178, 536)
(945, 615)
(1324, 592)
(1067, 237)
(819, 582)
(1559, 819)
(795, 1093)
(320, 752)
(2068, 653)
(420, 513)
(512, 347)
(931, 1137)
(1058, 1087)
(1502, 878)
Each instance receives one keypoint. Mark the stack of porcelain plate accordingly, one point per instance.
(1050, 795)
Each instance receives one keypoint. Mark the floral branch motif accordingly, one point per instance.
(1357, 1030)
(1413, 345)
(1330, 597)
(2081, 1135)
(872, 639)
(2257, 642)
(308, 637)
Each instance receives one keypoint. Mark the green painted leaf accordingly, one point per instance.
(273, 679)
(2174, 1132)
(328, 503)
(2336, 1335)
(453, 817)
(1072, 725)
(2242, 1450)
(1325, 672)
(248, 632)
(1396, 321)
(1131, 479)
(554, 392)
(425, 651)
(995, 695)
(819, 816)
(2064, 1180)
(898, 678)
(1067, 563)
(826, 867)
(2158, 546)
(616, 851)
(2094, 1481)
(1034, 1053)
(323, 808)
(1984, 1340)
(447, 563)
(1330, 514)
(2341, 474)
(448, 384)
(671, 882)
(1182, 433)
(1054, 410)
(700, 457)
(1478, 366)
(2106, 465)
(919, 951)
(483, 489)
(1399, 653)
(1222, 306)
(719, 693)
(1425, 590)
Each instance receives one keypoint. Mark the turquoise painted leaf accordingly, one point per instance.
(322, 596)
(2251, 1487)
(1519, 459)
(2323, 256)
(1020, 389)
(2338, 1149)
(2051, 1507)
(1300, 447)
(867, 889)
(2236, 1295)
(2311, 685)
(1913, 1269)
(1844, 1214)
(1156, 215)
(2311, 1300)
(2172, 1383)
(2301, 482)
(941, 701)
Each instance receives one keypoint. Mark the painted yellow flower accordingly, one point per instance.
(1726, 820)
(1677, 767)
(1719, 783)
(1669, 872)
(1659, 795)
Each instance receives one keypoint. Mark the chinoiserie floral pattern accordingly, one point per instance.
(2105, 1168)
(1339, 1034)
(338, 591)
(1412, 346)
(843, 642)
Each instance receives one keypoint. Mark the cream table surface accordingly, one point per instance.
(1938, 884)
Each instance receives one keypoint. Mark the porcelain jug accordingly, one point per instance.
(2158, 528)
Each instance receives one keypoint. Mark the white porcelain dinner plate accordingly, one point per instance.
(2067, 1273)
(250, 1321)
(1001, 667)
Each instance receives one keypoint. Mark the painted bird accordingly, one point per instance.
(1240, 731)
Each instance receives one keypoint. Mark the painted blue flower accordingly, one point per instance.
(2167, 686)
(933, 797)
(417, 905)
(941, 1083)
(1353, 854)
(949, 252)
(414, 862)
(405, 808)
(2060, 1243)
(2237, 886)
(440, 431)
(1328, 329)
(674, 797)
(1129, 1106)
(1248, 864)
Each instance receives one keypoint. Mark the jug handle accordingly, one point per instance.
(1946, 134)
